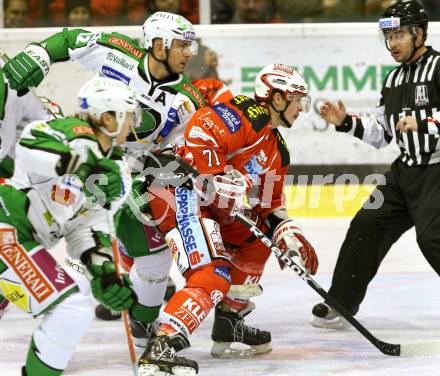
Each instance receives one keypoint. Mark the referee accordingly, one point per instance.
(409, 112)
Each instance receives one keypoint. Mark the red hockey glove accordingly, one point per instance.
(289, 237)
(229, 192)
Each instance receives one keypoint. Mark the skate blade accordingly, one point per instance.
(336, 323)
(148, 370)
(183, 371)
(225, 351)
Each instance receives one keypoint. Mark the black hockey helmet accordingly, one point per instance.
(404, 13)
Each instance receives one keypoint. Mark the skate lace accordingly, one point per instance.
(167, 353)
(151, 329)
(240, 331)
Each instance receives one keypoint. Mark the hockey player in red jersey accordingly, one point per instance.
(238, 143)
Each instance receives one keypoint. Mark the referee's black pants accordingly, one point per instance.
(411, 197)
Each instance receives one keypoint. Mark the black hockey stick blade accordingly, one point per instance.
(414, 349)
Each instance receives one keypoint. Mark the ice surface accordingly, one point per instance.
(402, 306)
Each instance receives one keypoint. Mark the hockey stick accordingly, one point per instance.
(118, 273)
(423, 348)
(237, 291)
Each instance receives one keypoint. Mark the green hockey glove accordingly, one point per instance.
(108, 289)
(107, 187)
(28, 68)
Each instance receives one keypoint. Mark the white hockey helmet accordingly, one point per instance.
(281, 78)
(102, 94)
(169, 26)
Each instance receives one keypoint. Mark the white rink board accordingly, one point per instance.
(338, 60)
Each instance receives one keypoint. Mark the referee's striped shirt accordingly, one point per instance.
(408, 90)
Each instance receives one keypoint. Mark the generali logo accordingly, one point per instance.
(197, 96)
(129, 47)
(17, 258)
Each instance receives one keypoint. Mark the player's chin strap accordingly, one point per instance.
(424, 348)
(164, 62)
(415, 49)
(281, 113)
(120, 119)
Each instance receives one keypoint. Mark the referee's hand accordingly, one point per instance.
(333, 113)
(407, 123)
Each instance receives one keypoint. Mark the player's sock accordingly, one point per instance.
(35, 366)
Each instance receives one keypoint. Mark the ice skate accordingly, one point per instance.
(230, 328)
(324, 316)
(160, 356)
(142, 332)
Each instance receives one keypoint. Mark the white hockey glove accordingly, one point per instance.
(288, 237)
(229, 192)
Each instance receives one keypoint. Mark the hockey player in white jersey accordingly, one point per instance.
(166, 96)
(167, 99)
(16, 110)
(64, 168)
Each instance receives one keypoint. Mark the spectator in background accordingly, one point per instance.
(432, 8)
(78, 13)
(203, 65)
(374, 8)
(320, 10)
(15, 13)
(256, 11)
(137, 11)
(222, 11)
(202, 71)
(186, 8)
(171, 6)
(103, 12)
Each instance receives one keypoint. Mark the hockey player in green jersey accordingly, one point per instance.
(167, 99)
(16, 110)
(166, 96)
(70, 178)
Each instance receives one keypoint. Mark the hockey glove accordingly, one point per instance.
(28, 68)
(106, 185)
(108, 289)
(289, 237)
(229, 192)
